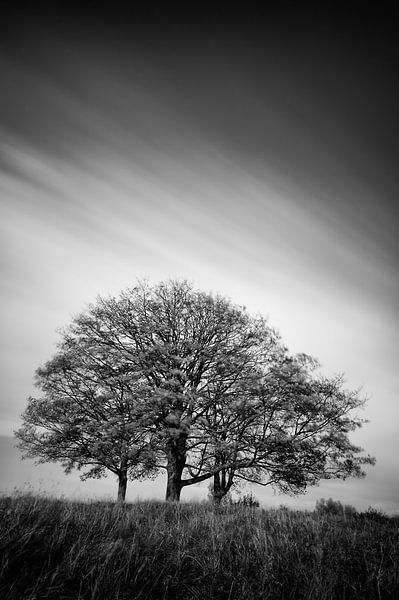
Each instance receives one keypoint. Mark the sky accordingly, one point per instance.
(254, 155)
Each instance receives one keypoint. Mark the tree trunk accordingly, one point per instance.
(173, 487)
(122, 485)
(222, 482)
(176, 461)
(218, 492)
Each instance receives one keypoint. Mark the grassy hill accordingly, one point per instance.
(152, 550)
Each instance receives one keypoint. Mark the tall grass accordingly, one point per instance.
(152, 550)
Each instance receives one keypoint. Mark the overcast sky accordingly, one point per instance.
(256, 157)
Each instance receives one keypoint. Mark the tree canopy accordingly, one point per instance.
(168, 377)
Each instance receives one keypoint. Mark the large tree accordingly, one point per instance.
(185, 381)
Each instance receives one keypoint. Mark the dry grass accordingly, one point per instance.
(153, 550)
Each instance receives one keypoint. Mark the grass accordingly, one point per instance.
(152, 550)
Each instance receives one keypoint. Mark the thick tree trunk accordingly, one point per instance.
(122, 485)
(176, 461)
(173, 487)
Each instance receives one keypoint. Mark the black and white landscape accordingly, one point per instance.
(253, 154)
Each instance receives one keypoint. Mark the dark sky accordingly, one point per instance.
(311, 94)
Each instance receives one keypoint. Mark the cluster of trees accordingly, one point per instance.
(334, 507)
(166, 377)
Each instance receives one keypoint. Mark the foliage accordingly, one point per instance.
(293, 426)
(334, 507)
(248, 500)
(90, 417)
(166, 377)
(237, 498)
(374, 514)
(150, 550)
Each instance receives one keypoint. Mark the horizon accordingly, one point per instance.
(50, 480)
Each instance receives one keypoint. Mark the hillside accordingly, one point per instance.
(151, 550)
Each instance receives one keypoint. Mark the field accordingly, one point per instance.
(153, 550)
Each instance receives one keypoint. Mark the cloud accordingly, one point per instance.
(250, 172)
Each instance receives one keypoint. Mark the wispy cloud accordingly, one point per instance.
(243, 168)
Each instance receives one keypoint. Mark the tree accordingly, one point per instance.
(289, 430)
(334, 507)
(91, 416)
(176, 379)
(182, 344)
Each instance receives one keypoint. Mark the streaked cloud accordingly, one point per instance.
(237, 167)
